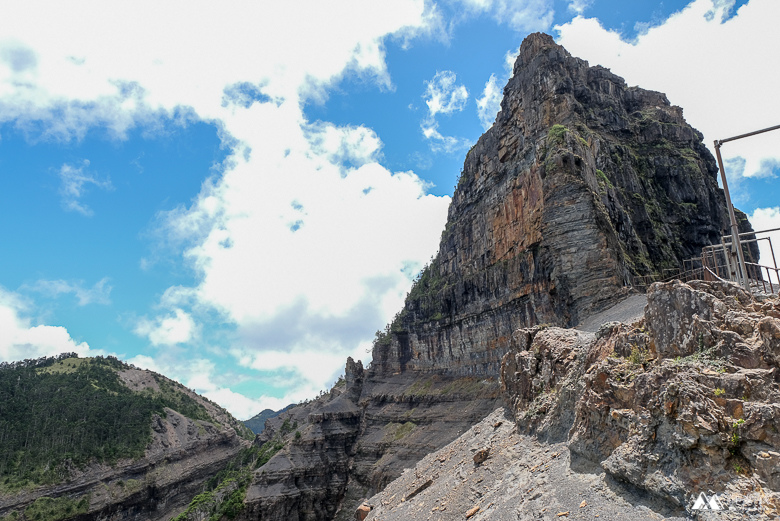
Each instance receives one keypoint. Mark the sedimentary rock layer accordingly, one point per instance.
(581, 184)
(684, 400)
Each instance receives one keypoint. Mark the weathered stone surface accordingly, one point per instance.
(308, 477)
(581, 183)
(524, 480)
(362, 512)
(672, 405)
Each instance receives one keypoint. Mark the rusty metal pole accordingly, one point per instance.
(736, 247)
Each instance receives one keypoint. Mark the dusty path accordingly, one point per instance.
(627, 311)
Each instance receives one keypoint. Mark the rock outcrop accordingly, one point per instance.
(683, 401)
(633, 422)
(581, 184)
(523, 479)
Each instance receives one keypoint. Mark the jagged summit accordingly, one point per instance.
(580, 184)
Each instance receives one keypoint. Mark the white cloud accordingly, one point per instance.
(62, 73)
(99, 293)
(768, 219)
(489, 105)
(443, 96)
(73, 185)
(521, 15)
(20, 339)
(351, 145)
(490, 102)
(722, 79)
(304, 243)
(177, 327)
(579, 6)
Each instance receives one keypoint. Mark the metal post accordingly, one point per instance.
(736, 247)
(730, 269)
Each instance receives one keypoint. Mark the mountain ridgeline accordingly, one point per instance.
(97, 438)
(581, 184)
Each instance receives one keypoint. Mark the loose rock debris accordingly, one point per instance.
(522, 479)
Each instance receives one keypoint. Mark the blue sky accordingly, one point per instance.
(238, 197)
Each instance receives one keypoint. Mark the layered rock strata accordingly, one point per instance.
(581, 183)
(183, 453)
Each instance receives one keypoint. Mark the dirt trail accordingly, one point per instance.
(626, 311)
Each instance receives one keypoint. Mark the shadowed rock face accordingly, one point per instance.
(581, 183)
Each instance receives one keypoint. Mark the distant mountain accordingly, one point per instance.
(257, 422)
(95, 438)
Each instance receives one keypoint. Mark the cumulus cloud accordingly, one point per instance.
(177, 327)
(721, 79)
(302, 219)
(768, 219)
(20, 339)
(99, 293)
(443, 95)
(62, 73)
(303, 243)
(74, 181)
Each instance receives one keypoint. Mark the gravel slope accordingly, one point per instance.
(521, 479)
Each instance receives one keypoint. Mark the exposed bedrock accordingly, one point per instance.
(683, 400)
(581, 183)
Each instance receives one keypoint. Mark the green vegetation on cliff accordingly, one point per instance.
(57, 414)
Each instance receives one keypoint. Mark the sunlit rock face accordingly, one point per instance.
(581, 183)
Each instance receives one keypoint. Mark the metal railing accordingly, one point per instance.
(715, 264)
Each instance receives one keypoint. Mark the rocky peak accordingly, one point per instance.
(581, 184)
(353, 375)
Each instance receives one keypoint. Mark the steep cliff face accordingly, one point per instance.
(581, 183)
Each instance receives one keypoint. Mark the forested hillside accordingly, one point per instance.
(60, 414)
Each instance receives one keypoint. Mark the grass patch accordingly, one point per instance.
(556, 134)
(705, 357)
(397, 431)
(603, 179)
(54, 509)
